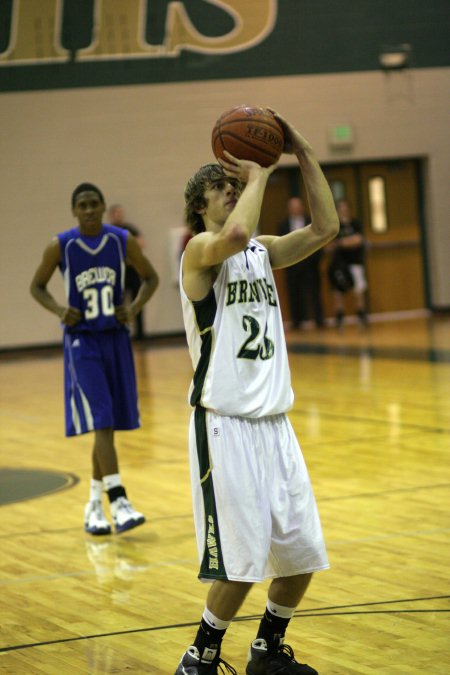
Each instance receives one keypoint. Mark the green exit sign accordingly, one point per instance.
(341, 136)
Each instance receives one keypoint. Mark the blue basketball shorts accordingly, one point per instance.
(99, 382)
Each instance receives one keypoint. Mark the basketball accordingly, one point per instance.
(248, 132)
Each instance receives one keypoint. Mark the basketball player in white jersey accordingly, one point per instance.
(254, 508)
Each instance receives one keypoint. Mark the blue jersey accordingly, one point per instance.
(94, 275)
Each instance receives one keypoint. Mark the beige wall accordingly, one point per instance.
(141, 143)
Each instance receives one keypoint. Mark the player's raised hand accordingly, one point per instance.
(293, 140)
(243, 169)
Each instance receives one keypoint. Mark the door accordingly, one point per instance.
(385, 196)
(394, 258)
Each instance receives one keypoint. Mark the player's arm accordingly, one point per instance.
(324, 226)
(206, 251)
(149, 280)
(38, 287)
(212, 248)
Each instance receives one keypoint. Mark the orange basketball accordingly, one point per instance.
(248, 132)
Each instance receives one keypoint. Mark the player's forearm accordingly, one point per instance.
(44, 298)
(324, 219)
(145, 292)
(247, 211)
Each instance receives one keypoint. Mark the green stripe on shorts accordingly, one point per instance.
(212, 566)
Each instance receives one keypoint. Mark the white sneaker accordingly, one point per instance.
(94, 519)
(124, 516)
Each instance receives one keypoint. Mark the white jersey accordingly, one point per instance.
(236, 340)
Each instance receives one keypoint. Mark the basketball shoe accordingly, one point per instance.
(94, 519)
(124, 516)
(279, 661)
(208, 664)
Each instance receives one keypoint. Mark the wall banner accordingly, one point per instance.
(47, 44)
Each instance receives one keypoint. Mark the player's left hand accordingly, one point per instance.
(293, 140)
(124, 314)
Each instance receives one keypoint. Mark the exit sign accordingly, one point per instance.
(341, 136)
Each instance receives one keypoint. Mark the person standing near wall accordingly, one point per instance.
(303, 279)
(254, 509)
(348, 251)
(116, 215)
(99, 373)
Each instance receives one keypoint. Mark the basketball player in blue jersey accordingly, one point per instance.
(254, 508)
(99, 374)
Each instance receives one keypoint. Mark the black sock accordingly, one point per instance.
(116, 492)
(362, 316)
(272, 629)
(208, 638)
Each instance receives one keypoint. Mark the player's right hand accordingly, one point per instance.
(243, 169)
(71, 316)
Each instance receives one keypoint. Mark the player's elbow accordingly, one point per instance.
(155, 281)
(36, 289)
(328, 228)
(237, 236)
(334, 226)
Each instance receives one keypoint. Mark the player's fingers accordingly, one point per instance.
(232, 158)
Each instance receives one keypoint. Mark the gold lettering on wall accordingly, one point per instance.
(35, 33)
(119, 31)
(254, 20)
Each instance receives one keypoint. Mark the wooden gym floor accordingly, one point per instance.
(372, 414)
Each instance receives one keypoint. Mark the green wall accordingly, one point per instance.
(301, 37)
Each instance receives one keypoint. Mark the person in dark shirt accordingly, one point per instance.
(348, 250)
(303, 279)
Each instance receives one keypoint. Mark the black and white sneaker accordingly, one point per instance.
(278, 661)
(208, 664)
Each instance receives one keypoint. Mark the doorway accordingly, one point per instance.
(386, 197)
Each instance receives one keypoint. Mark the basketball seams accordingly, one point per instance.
(246, 144)
(248, 120)
(217, 138)
(248, 132)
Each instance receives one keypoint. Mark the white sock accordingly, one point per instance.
(213, 621)
(96, 490)
(111, 481)
(280, 610)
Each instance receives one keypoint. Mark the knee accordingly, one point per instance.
(289, 591)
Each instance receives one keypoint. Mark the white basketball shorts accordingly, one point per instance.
(254, 508)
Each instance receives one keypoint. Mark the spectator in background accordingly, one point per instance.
(116, 215)
(303, 279)
(347, 254)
